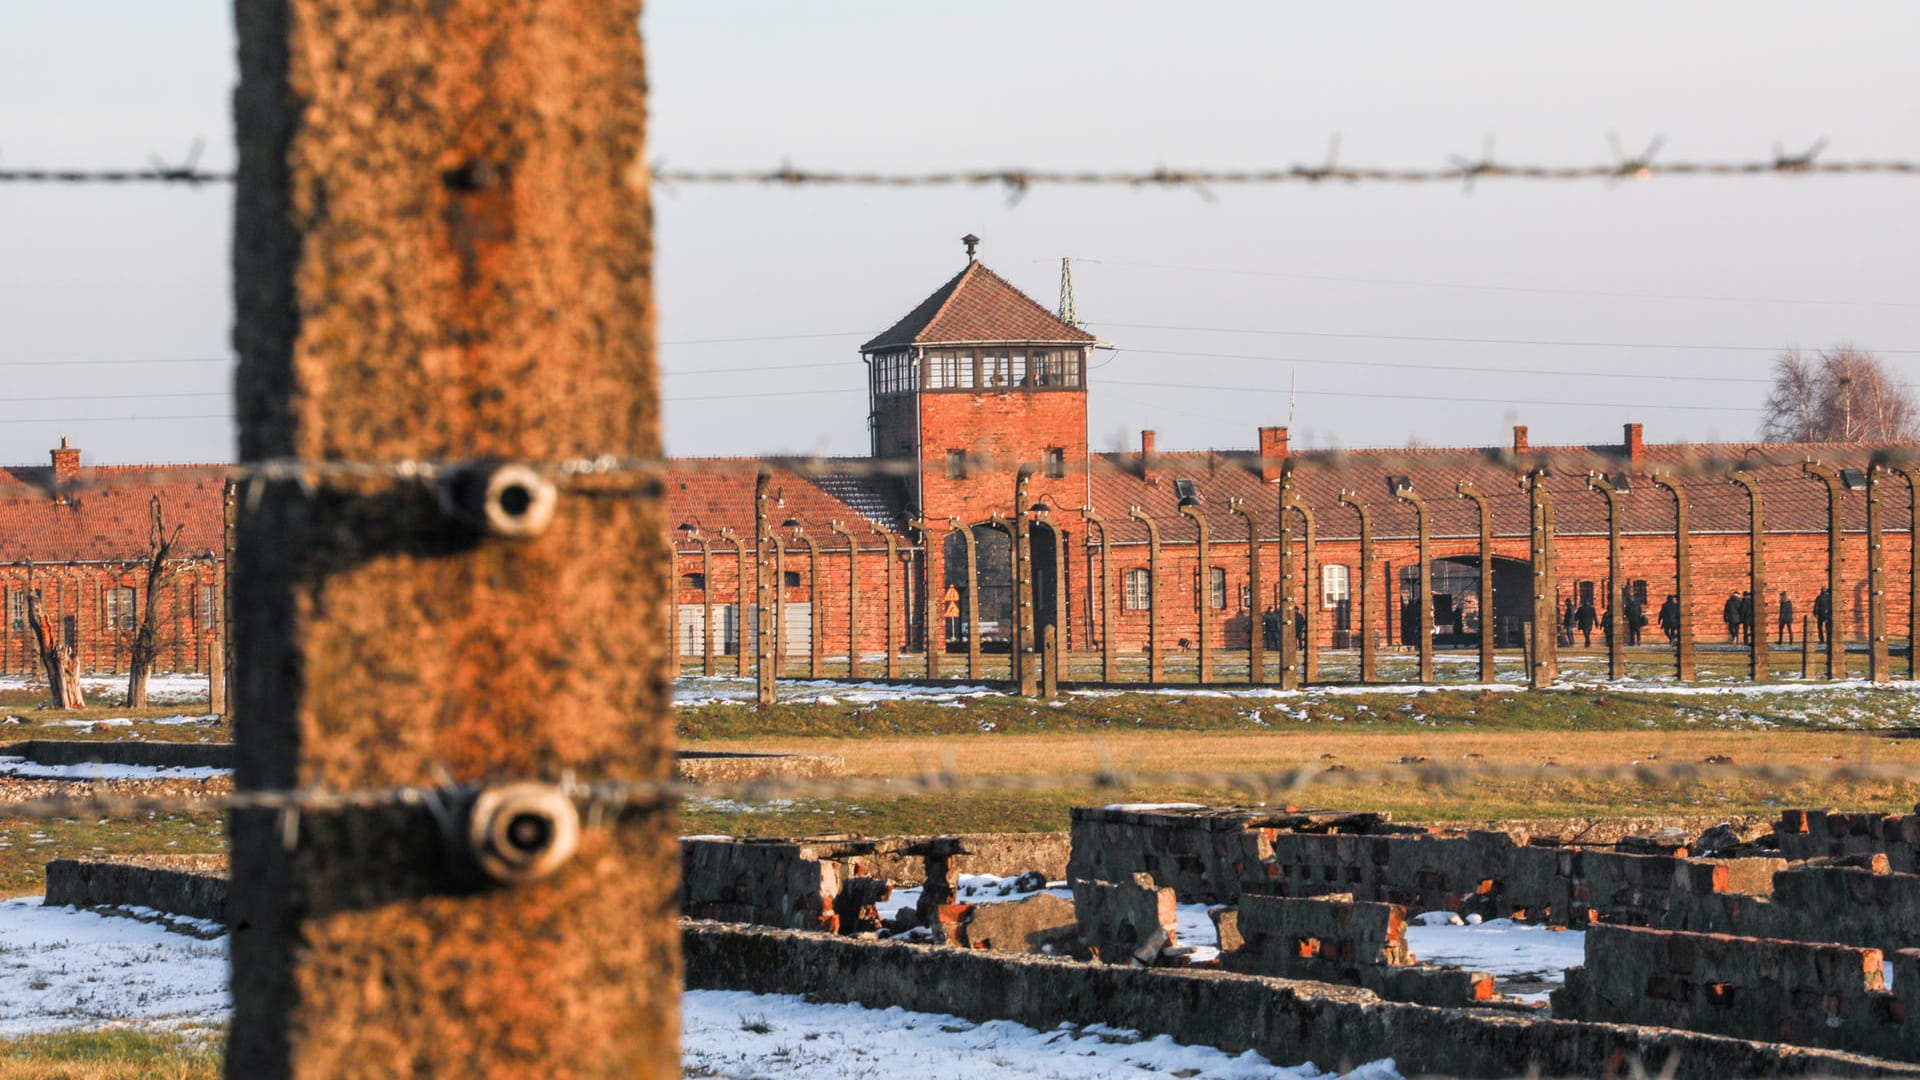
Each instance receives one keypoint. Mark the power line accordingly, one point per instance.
(758, 367)
(115, 397)
(1465, 368)
(1578, 404)
(1534, 289)
(1476, 340)
(671, 398)
(110, 419)
(768, 337)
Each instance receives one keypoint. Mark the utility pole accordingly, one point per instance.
(443, 254)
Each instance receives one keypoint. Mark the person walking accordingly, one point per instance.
(1730, 614)
(1785, 635)
(1636, 618)
(1823, 614)
(1583, 617)
(1670, 618)
(1568, 620)
(1746, 617)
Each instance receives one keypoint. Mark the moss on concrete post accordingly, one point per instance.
(442, 251)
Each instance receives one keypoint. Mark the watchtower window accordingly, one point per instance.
(1055, 367)
(893, 373)
(950, 369)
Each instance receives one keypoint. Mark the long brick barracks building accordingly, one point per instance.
(978, 379)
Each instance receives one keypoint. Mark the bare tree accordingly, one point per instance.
(1841, 394)
(56, 656)
(146, 642)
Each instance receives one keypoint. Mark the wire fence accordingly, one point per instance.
(1018, 181)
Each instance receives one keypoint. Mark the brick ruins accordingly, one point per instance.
(1780, 937)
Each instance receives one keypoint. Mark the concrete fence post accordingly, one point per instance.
(1369, 671)
(1912, 476)
(1488, 669)
(934, 642)
(765, 648)
(853, 597)
(1256, 638)
(893, 602)
(1156, 649)
(1877, 665)
(1682, 576)
(1204, 593)
(1544, 627)
(1425, 578)
(1311, 597)
(1616, 581)
(971, 545)
(779, 578)
(1836, 587)
(1025, 636)
(741, 648)
(1756, 576)
(442, 253)
(1103, 589)
(816, 647)
(220, 698)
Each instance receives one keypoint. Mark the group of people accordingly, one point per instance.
(1273, 624)
(1737, 614)
(1581, 618)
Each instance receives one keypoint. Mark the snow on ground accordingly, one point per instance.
(736, 1034)
(65, 968)
(695, 690)
(127, 721)
(1192, 927)
(1526, 961)
(162, 688)
(20, 768)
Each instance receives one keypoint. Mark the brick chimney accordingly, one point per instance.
(1635, 446)
(1519, 438)
(1146, 455)
(1273, 453)
(66, 465)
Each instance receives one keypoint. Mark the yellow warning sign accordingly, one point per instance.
(952, 596)
(953, 610)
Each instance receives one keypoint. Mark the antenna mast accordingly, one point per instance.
(1067, 313)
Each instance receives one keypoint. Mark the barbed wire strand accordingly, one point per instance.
(1018, 181)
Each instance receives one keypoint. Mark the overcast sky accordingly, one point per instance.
(1216, 305)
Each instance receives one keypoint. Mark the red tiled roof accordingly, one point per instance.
(1791, 501)
(723, 498)
(977, 305)
(110, 524)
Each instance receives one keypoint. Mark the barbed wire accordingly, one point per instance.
(1019, 181)
(602, 797)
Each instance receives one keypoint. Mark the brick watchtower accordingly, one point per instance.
(975, 381)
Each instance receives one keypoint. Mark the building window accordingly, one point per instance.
(1056, 462)
(1139, 591)
(209, 604)
(1246, 597)
(120, 607)
(70, 630)
(694, 581)
(893, 373)
(1217, 588)
(791, 579)
(1336, 586)
(17, 609)
(949, 369)
(956, 464)
(1639, 591)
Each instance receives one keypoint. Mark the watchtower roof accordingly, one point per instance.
(978, 306)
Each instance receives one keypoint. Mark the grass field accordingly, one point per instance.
(1328, 733)
(114, 1054)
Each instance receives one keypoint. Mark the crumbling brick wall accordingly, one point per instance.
(1809, 994)
(1815, 834)
(1866, 906)
(768, 882)
(1336, 939)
